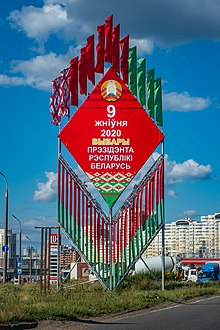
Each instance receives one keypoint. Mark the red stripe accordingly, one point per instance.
(103, 238)
(124, 58)
(125, 227)
(58, 192)
(83, 72)
(140, 207)
(73, 84)
(71, 197)
(131, 223)
(87, 216)
(114, 242)
(62, 192)
(152, 192)
(108, 39)
(79, 204)
(100, 48)
(90, 59)
(98, 232)
(83, 208)
(90, 222)
(67, 186)
(162, 180)
(118, 237)
(95, 227)
(121, 230)
(107, 238)
(115, 48)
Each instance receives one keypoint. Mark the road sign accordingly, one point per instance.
(111, 136)
(5, 248)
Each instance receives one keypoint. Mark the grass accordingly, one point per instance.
(27, 303)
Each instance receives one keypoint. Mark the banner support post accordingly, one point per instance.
(110, 251)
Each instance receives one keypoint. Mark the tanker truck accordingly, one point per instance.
(154, 264)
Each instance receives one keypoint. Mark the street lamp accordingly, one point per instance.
(19, 275)
(5, 230)
(30, 258)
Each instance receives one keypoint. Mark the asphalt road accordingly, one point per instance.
(198, 315)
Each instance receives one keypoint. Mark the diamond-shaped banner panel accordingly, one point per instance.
(111, 136)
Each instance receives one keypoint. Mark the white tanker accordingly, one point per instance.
(155, 263)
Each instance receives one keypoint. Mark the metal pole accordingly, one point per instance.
(30, 259)
(58, 260)
(19, 275)
(48, 284)
(163, 236)
(41, 258)
(45, 260)
(5, 231)
(110, 251)
(31, 264)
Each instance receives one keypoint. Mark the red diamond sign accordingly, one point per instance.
(111, 136)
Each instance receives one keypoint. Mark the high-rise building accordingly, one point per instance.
(189, 238)
(11, 250)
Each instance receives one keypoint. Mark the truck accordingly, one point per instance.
(190, 274)
(186, 273)
(210, 272)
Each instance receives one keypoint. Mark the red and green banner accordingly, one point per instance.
(111, 136)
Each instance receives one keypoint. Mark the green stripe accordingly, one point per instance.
(67, 227)
(74, 230)
(71, 226)
(87, 247)
(62, 210)
(79, 236)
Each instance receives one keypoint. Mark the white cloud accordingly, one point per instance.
(190, 213)
(39, 71)
(11, 81)
(183, 102)
(47, 191)
(39, 23)
(188, 170)
(172, 193)
(143, 46)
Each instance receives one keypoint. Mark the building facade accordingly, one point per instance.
(189, 238)
(11, 250)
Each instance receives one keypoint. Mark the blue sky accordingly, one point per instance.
(180, 39)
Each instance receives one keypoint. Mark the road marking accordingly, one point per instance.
(179, 304)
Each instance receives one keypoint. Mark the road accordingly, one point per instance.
(198, 315)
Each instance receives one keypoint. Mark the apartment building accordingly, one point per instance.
(189, 238)
(12, 248)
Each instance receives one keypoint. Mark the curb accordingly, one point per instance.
(22, 325)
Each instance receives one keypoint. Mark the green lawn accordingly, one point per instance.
(27, 303)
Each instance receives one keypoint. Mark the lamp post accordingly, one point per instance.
(30, 258)
(5, 230)
(19, 275)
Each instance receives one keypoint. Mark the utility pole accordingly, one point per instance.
(5, 231)
(19, 275)
(30, 259)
